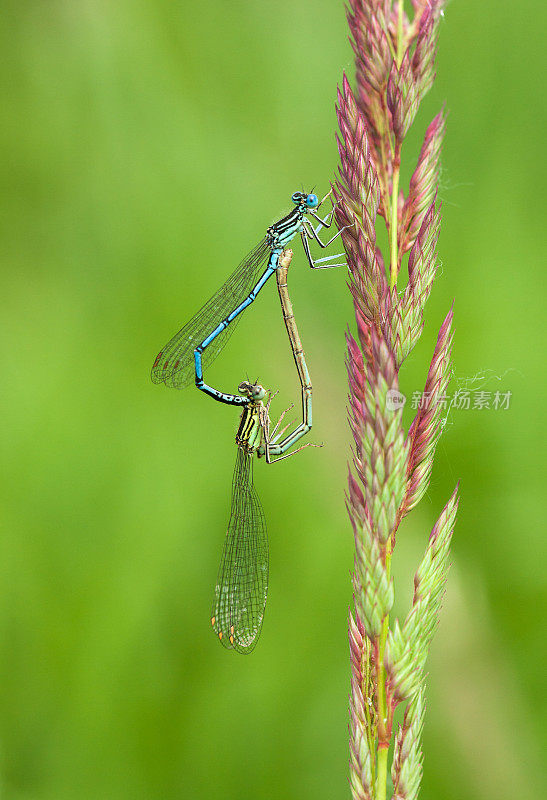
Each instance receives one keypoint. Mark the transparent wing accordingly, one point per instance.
(242, 582)
(174, 364)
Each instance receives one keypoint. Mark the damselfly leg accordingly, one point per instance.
(273, 437)
(272, 446)
(312, 233)
(319, 263)
(309, 232)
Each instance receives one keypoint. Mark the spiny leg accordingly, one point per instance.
(331, 212)
(271, 438)
(275, 439)
(311, 233)
(280, 420)
(293, 452)
(311, 261)
(270, 398)
(330, 258)
(328, 194)
(323, 222)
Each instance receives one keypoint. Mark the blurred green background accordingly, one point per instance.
(146, 146)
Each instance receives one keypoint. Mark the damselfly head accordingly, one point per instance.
(254, 391)
(305, 200)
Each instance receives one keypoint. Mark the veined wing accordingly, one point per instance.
(242, 582)
(174, 364)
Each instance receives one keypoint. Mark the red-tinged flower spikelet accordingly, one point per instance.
(423, 185)
(406, 770)
(371, 41)
(404, 316)
(380, 457)
(357, 192)
(361, 711)
(426, 428)
(409, 83)
(408, 645)
(357, 195)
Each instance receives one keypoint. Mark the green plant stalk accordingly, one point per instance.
(381, 785)
(383, 746)
(400, 33)
(394, 222)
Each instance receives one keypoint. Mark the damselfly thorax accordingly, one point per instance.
(281, 233)
(254, 419)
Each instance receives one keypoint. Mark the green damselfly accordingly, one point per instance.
(242, 583)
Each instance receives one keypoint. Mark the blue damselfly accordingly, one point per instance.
(181, 361)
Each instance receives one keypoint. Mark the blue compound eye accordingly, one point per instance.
(312, 201)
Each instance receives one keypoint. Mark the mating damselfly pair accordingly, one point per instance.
(242, 583)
